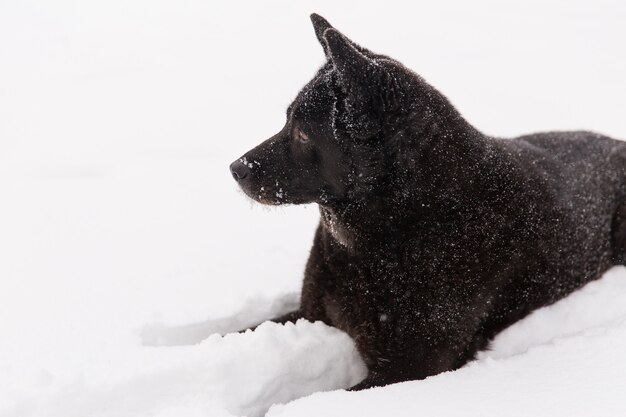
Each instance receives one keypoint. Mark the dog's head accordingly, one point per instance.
(334, 144)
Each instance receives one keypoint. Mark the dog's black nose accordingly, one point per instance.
(239, 170)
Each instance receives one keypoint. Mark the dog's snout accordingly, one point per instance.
(239, 169)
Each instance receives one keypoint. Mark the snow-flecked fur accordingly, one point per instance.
(433, 236)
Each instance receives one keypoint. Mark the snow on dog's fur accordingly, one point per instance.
(433, 236)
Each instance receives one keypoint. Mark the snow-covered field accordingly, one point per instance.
(125, 245)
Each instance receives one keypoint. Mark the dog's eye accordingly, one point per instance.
(301, 136)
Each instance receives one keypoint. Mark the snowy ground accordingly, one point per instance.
(125, 244)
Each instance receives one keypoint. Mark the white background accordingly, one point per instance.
(120, 225)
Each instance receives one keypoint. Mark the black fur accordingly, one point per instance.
(433, 236)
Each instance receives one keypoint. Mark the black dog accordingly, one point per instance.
(433, 236)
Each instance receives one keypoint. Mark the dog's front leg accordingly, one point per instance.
(418, 361)
(373, 379)
(290, 317)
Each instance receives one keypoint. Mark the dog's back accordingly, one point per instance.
(587, 171)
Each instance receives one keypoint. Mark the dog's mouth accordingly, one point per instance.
(266, 189)
(270, 196)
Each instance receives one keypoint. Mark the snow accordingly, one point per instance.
(218, 376)
(125, 243)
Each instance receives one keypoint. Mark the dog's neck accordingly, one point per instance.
(425, 189)
(337, 227)
(357, 223)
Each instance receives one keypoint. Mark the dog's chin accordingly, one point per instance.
(266, 198)
(266, 201)
(270, 197)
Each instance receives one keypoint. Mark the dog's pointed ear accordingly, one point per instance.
(321, 25)
(353, 67)
(360, 78)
